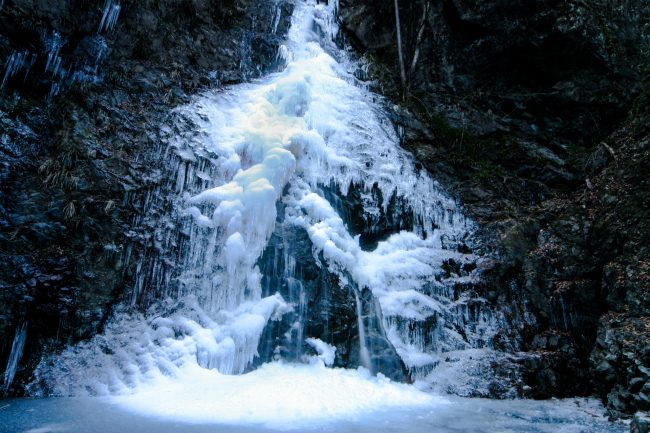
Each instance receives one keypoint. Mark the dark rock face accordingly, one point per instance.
(78, 144)
(534, 114)
(524, 86)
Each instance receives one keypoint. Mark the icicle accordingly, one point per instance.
(110, 15)
(15, 355)
(53, 44)
(15, 63)
(363, 342)
(101, 47)
(54, 90)
(28, 67)
(277, 15)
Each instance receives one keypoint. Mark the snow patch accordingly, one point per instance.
(326, 352)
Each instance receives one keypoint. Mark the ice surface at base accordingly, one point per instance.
(275, 395)
(458, 415)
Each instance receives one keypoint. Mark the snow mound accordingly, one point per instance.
(279, 396)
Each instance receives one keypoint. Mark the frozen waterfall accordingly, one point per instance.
(307, 150)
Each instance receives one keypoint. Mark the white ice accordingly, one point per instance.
(275, 395)
(308, 126)
(326, 352)
(135, 351)
(110, 14)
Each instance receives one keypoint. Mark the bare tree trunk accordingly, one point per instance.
(399, 48)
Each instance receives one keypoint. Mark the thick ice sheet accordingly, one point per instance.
(98, 415)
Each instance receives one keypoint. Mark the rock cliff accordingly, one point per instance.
(534, 113)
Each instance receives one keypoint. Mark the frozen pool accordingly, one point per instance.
(295, 397)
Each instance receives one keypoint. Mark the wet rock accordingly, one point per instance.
(636, 384)
(640, 423)
(324, 307)
(642, 401)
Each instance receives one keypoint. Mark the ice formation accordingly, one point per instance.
(15, 354)
(239, 153)
(277, 14)
(310, 126)
(326, 352)
(111, 13)
(275, 395)
(53, 45)
(15, 63)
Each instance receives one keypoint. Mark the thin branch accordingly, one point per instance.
(610, 150)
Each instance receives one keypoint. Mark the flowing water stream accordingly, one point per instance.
(295, 236)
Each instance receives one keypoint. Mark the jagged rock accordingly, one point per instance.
(636, 384)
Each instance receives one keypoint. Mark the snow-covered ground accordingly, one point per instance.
(305, 398)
